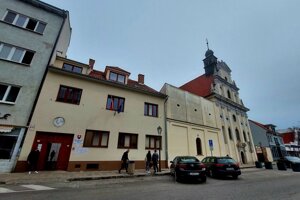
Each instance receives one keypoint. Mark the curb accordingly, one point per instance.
(113, 177)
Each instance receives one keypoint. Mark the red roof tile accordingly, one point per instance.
(200, 86)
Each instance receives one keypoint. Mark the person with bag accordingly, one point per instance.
(125, 161)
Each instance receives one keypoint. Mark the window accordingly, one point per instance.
(8, 93)
(7, 144)
(229, 133)
(228, 94)
(153, 142)
(234, 118)
(115, 103)
(69, 95)
(96, 138)
(237, 134)
(245, 137)
(199, 146)
(151, 110)
(116, 77)
(24, 22)
(15, 54)
(72, 68)
(224, 135)
(127, 140)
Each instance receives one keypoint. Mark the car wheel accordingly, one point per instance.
(176, 177)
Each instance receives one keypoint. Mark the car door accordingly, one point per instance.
(172, 166)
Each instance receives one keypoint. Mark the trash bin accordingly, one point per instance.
(268, 165)
(258, 164)
(281, 165)
(131, 167)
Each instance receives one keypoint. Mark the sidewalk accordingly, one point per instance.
(65, 176)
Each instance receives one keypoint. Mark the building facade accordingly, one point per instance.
(291, 140)
(85, 119)
(31, 32)
(192, 127)
(217, 86)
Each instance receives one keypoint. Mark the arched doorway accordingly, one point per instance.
(243, 158)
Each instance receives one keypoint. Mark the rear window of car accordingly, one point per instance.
(291, 158)
(189, 159)
(226, 160)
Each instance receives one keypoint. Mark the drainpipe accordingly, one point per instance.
(166, 133)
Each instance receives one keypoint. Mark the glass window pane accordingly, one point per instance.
(21, 20)
(152, 142)
(96, 139)
(13, 93)
(10, 17)
(150, 110)
(17, 55)
(77, 69)
(146, 109)
(41, 27)
(121, 78)
(31, 24)
(147, 142)
(127, 141)
(67, 67)
(158, 143)
(109, 103)
(62, 93)
(5, 51)
(104, 140)
(116, 103)
(154, 111)
(7, 144)
(3, 89)
(112, 76)
(27, 57)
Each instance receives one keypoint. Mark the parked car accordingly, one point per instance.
(221, 166)
(187, 167)
(291, 160)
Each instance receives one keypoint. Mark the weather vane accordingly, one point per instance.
(207, 44)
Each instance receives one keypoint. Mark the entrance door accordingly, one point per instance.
(55, 149)
(243, 157)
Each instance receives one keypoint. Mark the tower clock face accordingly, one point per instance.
(59, 121)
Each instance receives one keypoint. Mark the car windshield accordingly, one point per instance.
(188, 159)
(292, 158)
(226, 160)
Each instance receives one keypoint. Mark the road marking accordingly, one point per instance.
(5, 190)
(24, 188)
(37, 187)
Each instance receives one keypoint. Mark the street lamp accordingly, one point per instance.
(159, 130)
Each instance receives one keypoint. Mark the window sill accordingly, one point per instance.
(22, 28)
(24, 65)
(8, 103)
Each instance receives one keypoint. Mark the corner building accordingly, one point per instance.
(217, 86)
(31, 32)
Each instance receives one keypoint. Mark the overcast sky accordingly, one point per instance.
(165, 41)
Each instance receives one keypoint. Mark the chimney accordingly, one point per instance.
(91, 63)
(141, 79)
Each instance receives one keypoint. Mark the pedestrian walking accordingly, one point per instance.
(148, 162)
(32, 160)
(155, 161)
(125, 161)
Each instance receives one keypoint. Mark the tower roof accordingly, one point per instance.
(208, 53)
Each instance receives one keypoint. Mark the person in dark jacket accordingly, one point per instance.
(32, 160)
(148, 162)
(125, 161)
(155, 161)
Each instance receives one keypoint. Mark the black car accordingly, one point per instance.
(291, 160)
(221, 166)
(187, 167)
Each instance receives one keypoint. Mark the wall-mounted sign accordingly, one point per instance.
(59, 121)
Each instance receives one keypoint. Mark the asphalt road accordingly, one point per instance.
(253, 184)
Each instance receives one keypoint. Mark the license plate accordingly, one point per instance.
(194, 174)
(229, 168)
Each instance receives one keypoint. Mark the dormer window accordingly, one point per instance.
(117, 77)
(72, 68)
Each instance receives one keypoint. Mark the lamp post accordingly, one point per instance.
(159, 130)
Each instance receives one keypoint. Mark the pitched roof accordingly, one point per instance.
(200, 86)
(131, 83)
(259, 124)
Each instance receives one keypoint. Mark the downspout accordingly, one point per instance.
(43, 79)
(166, 133)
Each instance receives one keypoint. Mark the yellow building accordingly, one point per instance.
(192, 127)
(85, 119)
